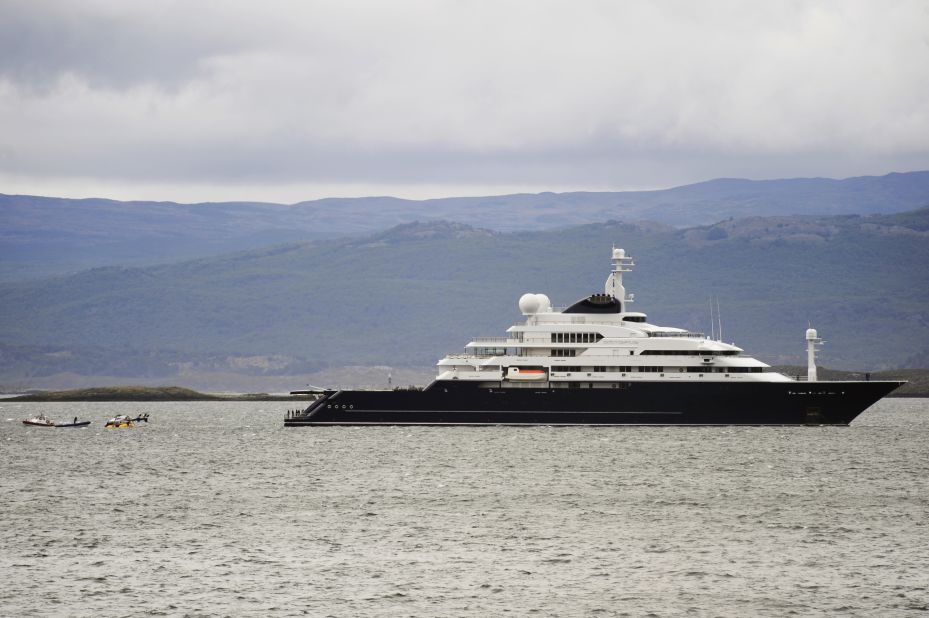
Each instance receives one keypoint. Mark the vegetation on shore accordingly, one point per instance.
(143, 393)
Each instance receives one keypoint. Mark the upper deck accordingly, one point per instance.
(598, 338)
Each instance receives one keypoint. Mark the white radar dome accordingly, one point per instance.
(530, 304)
(811, 333)
(545, 305)
(619, 253)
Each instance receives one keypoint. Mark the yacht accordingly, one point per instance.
(597, 362)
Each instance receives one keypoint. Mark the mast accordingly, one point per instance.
(614, 283)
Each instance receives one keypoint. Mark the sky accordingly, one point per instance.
(285, 101)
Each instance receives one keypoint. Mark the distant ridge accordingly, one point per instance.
(45, 235)
(408, 295)
(119, 393)
(143, 393)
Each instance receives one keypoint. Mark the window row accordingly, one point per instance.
(689, 352)
(631, 369)
(576, 337)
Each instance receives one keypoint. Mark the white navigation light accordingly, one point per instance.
(530, 304)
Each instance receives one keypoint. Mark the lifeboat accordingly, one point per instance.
(39, 420)
(42, 421)
(119, 422)
(523, 373)
(124, 421)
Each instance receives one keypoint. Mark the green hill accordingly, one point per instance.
(120, 393)
(409, 295)
(146, 393)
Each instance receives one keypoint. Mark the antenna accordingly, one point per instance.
(712, 321)
(720, 320)
(614, 283)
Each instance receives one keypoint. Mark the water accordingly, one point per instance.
(216, 509)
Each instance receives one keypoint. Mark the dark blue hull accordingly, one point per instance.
(628, 403)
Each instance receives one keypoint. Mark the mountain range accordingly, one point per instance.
(408, 295)
(43, 236)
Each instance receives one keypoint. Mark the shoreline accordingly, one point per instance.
(143, 393)
(917, 386)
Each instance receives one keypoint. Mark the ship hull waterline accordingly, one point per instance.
(631, 403)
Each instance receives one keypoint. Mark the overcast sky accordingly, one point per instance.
(284, 101)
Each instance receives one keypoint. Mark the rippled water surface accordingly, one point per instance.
(216, 509)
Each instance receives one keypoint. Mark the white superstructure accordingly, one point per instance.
(598, 343)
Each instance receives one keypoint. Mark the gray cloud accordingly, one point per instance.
(106, 46)
(536, 94)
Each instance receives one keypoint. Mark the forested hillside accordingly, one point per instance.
(407, 296)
